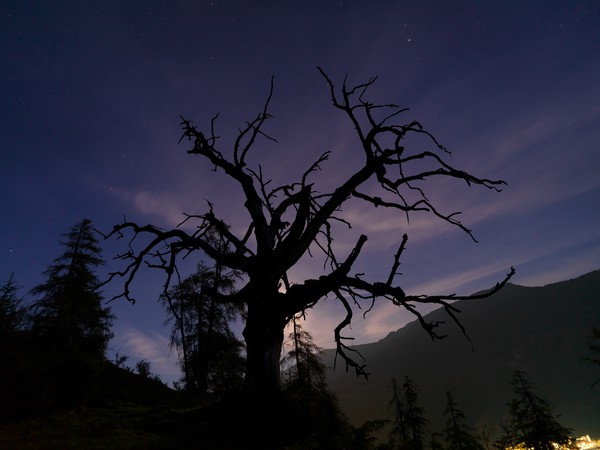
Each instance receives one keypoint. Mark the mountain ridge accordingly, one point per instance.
(541, 330)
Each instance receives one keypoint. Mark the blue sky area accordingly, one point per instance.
(91, 94)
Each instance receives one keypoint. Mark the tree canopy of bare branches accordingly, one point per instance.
(273, 244)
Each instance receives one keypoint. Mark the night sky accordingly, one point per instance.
(91, 94)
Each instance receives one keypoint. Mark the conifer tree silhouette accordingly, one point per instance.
(458, 435)
(409, 424)
(209, 352)
(531, 420)
(68, 310)
(13, 314)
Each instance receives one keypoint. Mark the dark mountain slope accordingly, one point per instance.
(541, 330)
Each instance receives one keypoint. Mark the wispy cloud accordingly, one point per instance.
(571, 267)
(151, 346)
(560, 260)
(534, 147)
(562, 263)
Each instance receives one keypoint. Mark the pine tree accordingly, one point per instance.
(69, 310)
(399, 432)
(303, 359)
(209, 352)
(409, 423)
(458, 435)
(310, 403)
(12, 311)
(17, 372)
(531, 421)
(415, 419)
(594, 347)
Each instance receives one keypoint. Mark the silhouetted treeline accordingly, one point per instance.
(52, 346)
(53, 355)
(530, 422)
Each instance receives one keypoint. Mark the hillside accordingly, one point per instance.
(125, 411)
(541, 330)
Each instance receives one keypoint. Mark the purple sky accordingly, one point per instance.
(91, 94)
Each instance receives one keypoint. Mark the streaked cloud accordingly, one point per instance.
(149, 345)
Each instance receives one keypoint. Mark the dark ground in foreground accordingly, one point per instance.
(126, 411)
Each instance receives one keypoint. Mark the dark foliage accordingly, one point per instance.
(458, 435)
(409, 424)
(210, 355)
(542, 329)
(302, 363)
(143, 368)
(311, 405)
(531, 420)
(594, 348)
(68, 310)
(364, 436)
(399, 431)
(13, 314)
(52, 362)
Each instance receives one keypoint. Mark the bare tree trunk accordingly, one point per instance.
(264, 339)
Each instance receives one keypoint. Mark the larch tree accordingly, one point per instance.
(209, 352)
(313, 406)
(303, 359)
(414, 416)
(531, 420)
(594, 348)
(289, 222)
(13, 314)
(399, 432)
(68, 309)
(409, 424)
(458, 435)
